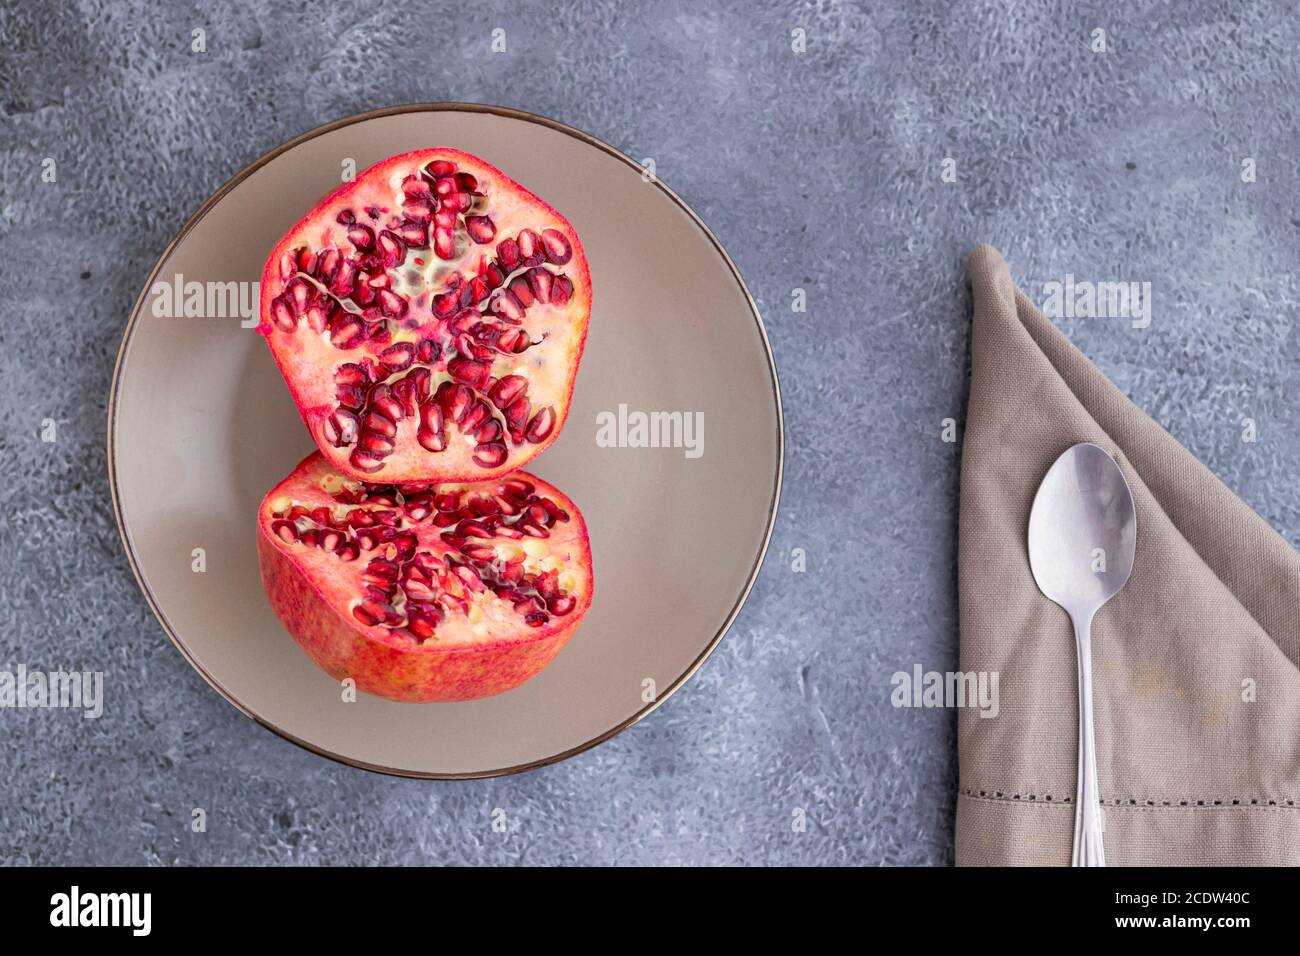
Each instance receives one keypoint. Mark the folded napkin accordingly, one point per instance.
(1195, 679)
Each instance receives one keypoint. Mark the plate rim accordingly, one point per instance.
(129, 548)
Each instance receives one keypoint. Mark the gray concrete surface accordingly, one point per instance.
(819, 170)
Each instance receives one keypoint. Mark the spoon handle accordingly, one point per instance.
(1088, 826)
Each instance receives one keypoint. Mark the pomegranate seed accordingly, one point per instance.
(516, 413)
(480, 228)
(547, 584)
(541, 425)
(470, 577)
(366, 462)
(447, 501)
(508, 254)
(533, 530)
(382, 400)
(341, 428)
(453, 602)
(391, 249)
(454, 399)
(344, 279)
(282, 314)
(392, 303)
(413, 187)
(349, 396)
(444, 245)
(467, 371)
(373, 612)
(555, 511)
(379, 424)
(347, 551)
(465, 182)
(415, 234)
(517, 487)
(440, 168)
(477, 551)
(286, 531)
(475, 414)
(507, 389)
(536, 619)
(328, 262)
(361, 236)
(519, 286)
(346, 218)
(473, 291)
(508, 306)
(529, 247)
(490, 456)
(346, 331)
(514, 341)
(397, 357)
(488, 432)
(316, 315)
(406, 545)
(422, 620)
(457, 202)
(380, 572)
(562, 605)
(405, 394)
(375, 444)
(561, 291)
(445, 304)
(431, 434)
(557, 247)
(427, 351)
(329, 540)
(300, 293)
(540, 281)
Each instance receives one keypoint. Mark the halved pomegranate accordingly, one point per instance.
(425, 592)
(429, 318)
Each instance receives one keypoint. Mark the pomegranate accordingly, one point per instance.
(429, 318)
(425, 592)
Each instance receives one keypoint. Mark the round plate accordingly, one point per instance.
(201, 426)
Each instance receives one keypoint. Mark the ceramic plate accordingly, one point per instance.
(201, 426)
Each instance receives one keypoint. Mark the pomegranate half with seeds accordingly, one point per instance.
(425, 592)
(429, 318)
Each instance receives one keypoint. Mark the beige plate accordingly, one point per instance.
(201, 426)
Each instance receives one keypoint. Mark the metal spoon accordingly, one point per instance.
(1082, 539)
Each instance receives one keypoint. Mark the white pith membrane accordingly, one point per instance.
(434, 322)
(445, 564)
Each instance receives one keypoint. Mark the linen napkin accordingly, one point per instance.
(1195, 662)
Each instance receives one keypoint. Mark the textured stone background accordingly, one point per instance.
(819, 171)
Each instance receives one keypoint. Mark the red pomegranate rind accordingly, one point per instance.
(429, 318)
(432, 592)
